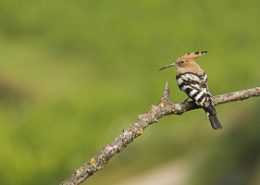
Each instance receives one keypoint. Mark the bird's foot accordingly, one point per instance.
(186, 100)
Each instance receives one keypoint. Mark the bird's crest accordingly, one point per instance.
(194, 55)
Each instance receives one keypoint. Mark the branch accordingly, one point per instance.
(164, 108)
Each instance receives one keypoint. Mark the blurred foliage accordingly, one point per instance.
(73, 74)
(235, 158)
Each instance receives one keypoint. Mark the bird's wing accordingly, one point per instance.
(203, 83)
(195, 87)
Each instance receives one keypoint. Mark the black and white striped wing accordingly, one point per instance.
(195, 87)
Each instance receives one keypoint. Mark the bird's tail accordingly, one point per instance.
(212, 115)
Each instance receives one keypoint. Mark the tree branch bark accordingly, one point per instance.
(136, 129)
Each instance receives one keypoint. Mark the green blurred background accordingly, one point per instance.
(73, 74)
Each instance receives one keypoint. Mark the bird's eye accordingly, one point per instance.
(182, 62)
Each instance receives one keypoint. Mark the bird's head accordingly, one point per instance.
(185, 60)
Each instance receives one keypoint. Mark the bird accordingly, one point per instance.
(192, 79)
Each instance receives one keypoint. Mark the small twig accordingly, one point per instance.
(144, 120)
(166, 93)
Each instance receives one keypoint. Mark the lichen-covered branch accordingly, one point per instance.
(164, 108)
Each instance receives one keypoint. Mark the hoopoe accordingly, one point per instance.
(193, 81)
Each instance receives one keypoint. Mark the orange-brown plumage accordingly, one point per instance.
(187, 63)
(189, 66)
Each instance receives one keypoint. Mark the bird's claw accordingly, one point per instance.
(186, 100)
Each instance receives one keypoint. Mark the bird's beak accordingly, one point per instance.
(167, 66)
